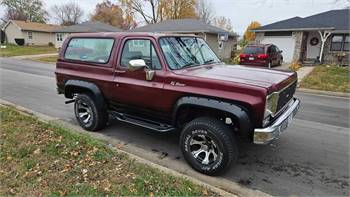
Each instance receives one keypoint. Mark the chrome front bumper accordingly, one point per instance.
(272, 132)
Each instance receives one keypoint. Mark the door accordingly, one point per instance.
(284, 43)
(131, 87)
(313, 45)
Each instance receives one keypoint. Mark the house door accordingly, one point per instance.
(313, 45)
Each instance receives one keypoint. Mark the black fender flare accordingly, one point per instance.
(237, 111)
(84, 85)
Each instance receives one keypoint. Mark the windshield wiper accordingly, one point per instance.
(189, 65)
(211, 61)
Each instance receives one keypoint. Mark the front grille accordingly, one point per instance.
(285, 95)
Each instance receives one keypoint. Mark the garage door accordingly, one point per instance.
(284, 43)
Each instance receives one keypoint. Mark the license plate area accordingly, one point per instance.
(251, 58)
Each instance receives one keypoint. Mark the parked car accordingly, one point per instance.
(266, 55)
(169, 82)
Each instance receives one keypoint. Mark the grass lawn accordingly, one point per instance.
(15, 50)
(40, 159)
(48, 59)
(329, 78)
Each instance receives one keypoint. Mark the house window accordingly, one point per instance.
(59, 37)
(30, 35)
(340, 42)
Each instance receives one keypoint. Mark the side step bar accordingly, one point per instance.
(146, 123)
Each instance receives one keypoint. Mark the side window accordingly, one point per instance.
(269, 50)
(96, 50)
(273, 49)
(277, 49)
(140, 49)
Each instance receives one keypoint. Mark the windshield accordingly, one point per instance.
(182, 52)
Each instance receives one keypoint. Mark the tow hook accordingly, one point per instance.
(69, 101)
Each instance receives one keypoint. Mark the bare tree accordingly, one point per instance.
(139, 6)
(205, 11)
(223, 23)
(31, 10)
(67, 14)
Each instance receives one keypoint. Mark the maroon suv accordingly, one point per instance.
(266, 55)
(170, 82)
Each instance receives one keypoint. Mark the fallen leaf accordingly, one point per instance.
(37, 151)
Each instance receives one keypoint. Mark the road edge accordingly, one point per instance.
(241, 191)
(323, 92)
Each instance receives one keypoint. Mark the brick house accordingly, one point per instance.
(322, 37)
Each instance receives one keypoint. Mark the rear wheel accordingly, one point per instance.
(90, 114)
(280, 62)
(208, 145)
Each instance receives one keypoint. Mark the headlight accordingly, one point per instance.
(270, 106)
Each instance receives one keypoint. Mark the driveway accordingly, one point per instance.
(311, 158)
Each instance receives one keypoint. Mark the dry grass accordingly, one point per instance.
(295, 66)
(328, 78)
(15, 50)
(39, 159)
(48, 59)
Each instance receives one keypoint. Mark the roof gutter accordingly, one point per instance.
(292, 29)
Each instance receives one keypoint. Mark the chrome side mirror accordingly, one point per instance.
(136, 64)
(149, 74)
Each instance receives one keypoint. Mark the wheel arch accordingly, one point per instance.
(239, 112)
(78, 86)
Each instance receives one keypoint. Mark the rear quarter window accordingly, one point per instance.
(95, 50)
(254, 50)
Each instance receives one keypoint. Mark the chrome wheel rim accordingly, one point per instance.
(204, 149)
(84, 112)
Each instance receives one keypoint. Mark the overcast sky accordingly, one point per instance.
(242, 12)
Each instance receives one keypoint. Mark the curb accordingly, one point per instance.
(33, 56)
(322, 92)
(239, 190)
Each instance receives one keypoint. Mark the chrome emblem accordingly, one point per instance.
(175, 83)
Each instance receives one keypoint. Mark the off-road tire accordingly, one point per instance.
(220, 134)
(99, 116)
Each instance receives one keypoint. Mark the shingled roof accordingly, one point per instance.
(88, 27)
(332, 20)
(33, 26)
(181, 26)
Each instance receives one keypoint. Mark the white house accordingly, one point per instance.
(32, 33)
(42, 34)
(86, 27)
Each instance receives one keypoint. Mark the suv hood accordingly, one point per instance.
(262, 77)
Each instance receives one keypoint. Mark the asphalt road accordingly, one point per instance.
(311, 158)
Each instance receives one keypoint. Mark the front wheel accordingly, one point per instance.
(208, 145)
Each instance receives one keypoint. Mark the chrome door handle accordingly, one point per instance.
(120, 71)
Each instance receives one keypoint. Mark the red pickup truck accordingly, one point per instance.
(175, 83)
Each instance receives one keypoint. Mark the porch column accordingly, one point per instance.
(324, 35)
